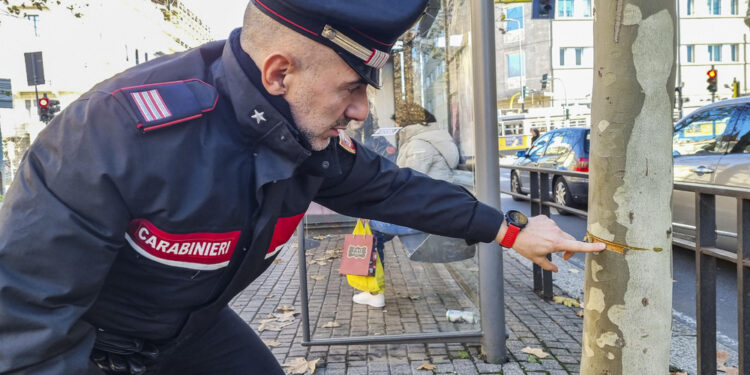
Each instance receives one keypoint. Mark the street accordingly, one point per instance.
(683, 300)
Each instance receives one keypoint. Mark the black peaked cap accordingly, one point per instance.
(362, 32)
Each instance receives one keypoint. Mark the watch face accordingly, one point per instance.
(518, 217)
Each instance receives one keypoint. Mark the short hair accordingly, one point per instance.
(262, 35)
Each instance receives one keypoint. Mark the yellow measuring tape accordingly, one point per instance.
(611, 246)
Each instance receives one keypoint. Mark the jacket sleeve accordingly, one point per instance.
(374, 188)
(61, 225)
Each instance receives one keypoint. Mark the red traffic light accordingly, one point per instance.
(711, 73)
(43, 102)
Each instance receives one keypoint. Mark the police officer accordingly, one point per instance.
(153, 199)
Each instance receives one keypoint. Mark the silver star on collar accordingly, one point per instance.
(258, 116)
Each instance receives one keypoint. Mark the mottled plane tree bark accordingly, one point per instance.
(628, 288)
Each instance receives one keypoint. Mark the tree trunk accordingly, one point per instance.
(628, 295)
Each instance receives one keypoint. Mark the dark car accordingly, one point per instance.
(562, 149)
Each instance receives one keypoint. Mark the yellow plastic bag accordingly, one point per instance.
(372, 284)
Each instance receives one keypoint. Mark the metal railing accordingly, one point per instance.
(706, 254)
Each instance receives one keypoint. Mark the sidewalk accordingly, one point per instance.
(417, 296)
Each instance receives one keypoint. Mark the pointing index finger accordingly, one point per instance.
(580, 247)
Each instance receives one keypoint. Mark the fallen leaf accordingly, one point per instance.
(574, 270)
(270, 316)
(426, 366)
(317, 277)
(270, 296)
(272, 325)
(579, 313)
(721, 359)
(333, 254)
(319, 237)
(320, 259)
(535, 352)
(285, 317)
(271, 343)
(278, 260)
(570, 302)
(285, 308)
(414, 298)
(331, 325)
(294, 245)
(299, 366)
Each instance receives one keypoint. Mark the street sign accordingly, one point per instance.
(6, 94)
(34, 68)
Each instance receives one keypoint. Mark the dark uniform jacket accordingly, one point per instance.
(153, 199)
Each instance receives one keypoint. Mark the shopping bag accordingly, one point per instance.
(356, 256)
(372, 284)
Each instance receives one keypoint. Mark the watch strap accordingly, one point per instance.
(510, 236)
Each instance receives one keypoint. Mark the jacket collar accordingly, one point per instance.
(265, 127)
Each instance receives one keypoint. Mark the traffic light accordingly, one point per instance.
(712, 74)
(43, 107)
(54, 107)
(545, 80)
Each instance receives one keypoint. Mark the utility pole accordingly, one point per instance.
(628, 288)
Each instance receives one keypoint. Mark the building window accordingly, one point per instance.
(514, 17)
(565, 8)
(690, 53)
(574, 8)
(690, 8)
(735, 52)
(714, 52)
(714, 7)
(34, 18)
(583, 56)
(515, 65)
(733, 7)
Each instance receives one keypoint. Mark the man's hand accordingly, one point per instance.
(542, 236)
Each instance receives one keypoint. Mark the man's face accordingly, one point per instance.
(324, 97)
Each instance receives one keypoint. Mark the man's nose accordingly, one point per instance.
(358, 108)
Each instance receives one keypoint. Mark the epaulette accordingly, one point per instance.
(159, 105)
(346, 143)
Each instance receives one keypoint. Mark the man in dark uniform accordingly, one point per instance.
(153, 199)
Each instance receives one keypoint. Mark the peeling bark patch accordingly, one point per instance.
(632, 15)
(603, 125)
(595, 300)
(608, 339)
(601, 232)
(595, 268)
(644, 302)
(610, 356)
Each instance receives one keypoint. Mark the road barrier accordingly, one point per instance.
(704, 246)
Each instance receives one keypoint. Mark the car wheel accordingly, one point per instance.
(561, 194)
(515, 185)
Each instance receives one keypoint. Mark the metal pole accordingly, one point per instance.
(487, 175)
(303, 282)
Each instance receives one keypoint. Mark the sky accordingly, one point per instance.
(222, 16)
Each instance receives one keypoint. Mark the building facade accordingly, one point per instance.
(109, 37)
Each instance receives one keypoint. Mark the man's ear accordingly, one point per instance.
(273, 71)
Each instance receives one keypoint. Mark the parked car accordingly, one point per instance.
(562, 149)
(710, 146)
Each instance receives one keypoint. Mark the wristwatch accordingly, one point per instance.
(516, 221)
